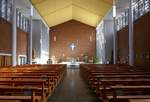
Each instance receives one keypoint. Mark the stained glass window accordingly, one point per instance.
(3, 9)
(147, 5)
(9, 10)
(126, 17)
(18, 18)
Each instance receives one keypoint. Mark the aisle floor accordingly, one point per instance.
(73, 89)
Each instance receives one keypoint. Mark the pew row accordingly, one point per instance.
(27, 81)
(115, 83)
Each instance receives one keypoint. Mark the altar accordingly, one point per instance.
(72, 64)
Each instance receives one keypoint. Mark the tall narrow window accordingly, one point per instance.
(135, 10)
(147, 5)
(123, 19)
(18, 18)
(23, 23)
(9, 9)
(4, 9)
(0, 8)
(117, 24)
(120, 22)
(141, 7)
(22, 59)
(126, 17)
(27, 24)
(20, 22)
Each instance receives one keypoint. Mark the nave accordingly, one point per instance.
(107, 39)
(73, 89)
(89, 83)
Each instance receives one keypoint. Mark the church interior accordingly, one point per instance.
(74, 51)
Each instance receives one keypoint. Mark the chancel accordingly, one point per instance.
(74, 51)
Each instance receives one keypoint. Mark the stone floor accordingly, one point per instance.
(73, 89)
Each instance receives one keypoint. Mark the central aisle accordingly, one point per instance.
(73, 89)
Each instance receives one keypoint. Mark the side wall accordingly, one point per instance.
(142, 45)
(6, 42)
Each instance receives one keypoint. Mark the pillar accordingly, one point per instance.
(30, 37)
(131, 36)
(115, 38)
(14, 33)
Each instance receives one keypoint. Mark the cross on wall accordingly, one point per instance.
(72, 46)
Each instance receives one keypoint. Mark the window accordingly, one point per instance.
(117, 23)
(120, 22)
(23, 23)
(26, 24)
(22, 59)
(3, 9)
(126, 17)
(123, 20)
(147, 5)
(141, 7)
(135, 11)
(18, 18)
(0, 8)
(9, 9)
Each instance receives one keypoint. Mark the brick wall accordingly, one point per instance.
(63, 35)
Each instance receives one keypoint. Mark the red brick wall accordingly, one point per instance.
(72, 32)
(142, 38)
(123, 45)
(5, 36)
(6, 39)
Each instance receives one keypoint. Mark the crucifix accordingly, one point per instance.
(72, 46)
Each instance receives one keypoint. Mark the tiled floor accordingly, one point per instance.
(73, 89)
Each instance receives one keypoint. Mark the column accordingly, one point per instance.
(14, 33)
(30, 37)
(131, 36)
(115, 38)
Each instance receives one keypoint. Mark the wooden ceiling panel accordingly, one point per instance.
(85, 16)
(50, 6)
(86, 11)
(95, 6)
(59, 17)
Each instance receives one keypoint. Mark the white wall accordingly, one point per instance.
(40, 41)
(105, 39)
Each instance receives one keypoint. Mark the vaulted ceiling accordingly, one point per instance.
(56, 12)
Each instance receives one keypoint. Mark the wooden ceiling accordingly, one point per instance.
(56, 12)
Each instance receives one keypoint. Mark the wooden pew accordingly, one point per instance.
(44, 77)
(49, 80)
(38, 84)
(30, 97)
(109, 88)
(98, 75)
(125, 89)
(95, 80)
